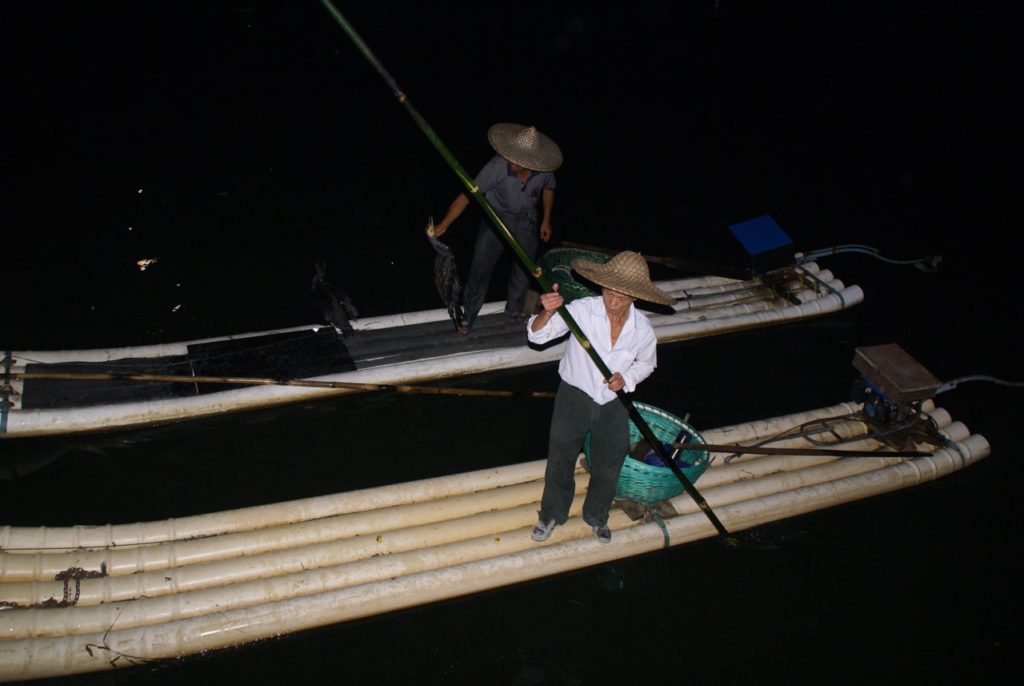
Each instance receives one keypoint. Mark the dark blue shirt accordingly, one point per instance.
(514, 200)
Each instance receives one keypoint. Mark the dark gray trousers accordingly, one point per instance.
(489, 247)
(575, 414)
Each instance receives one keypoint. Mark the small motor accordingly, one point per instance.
(877, 405)
(893, 384)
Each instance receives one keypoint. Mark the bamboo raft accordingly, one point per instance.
(393, 349)
(90, 598)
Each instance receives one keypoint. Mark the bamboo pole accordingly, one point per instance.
(531, 267)
(262, 381)
(760, 450)
(681, 263)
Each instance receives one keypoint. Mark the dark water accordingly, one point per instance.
(237, 143)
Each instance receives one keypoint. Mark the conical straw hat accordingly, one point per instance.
(526, 146)
(626, 273)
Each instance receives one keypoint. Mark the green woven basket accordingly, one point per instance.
(646, 483)
(558, 263)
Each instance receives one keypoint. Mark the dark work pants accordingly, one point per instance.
(489, 247)
(575, 414)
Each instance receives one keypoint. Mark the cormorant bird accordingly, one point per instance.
(446, 276)
(332, 303)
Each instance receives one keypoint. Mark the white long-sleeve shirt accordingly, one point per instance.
(633, 356)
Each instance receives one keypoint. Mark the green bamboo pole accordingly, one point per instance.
(531, 267)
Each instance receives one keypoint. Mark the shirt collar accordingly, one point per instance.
(509, 172)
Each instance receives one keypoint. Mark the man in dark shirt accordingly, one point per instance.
(519, 184)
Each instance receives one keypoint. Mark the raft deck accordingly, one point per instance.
(90, 598)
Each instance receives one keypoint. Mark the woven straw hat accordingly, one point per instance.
(626, 273)
(526, 146)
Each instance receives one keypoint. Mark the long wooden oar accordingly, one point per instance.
(682, 263)
(531, 267)
(761, 450)
(261, 381)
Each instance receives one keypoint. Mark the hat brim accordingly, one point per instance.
(505, 139)
(603, 274)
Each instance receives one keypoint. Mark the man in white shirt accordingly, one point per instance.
(625, 341)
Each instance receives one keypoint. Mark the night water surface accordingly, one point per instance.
(236, 143)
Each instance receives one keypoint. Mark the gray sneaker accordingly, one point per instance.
(542, 531)
(603, 533)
